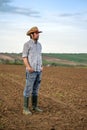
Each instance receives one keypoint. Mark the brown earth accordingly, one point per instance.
(63, 98)
(10, 57)
(5, 57)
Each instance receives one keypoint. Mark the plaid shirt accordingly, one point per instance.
(32, 51)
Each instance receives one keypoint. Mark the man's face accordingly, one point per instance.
(35, 36)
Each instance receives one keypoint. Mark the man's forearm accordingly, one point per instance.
(25, 60)
(26, 63)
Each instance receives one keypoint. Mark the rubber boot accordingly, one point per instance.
(34, 104)
(25, 109)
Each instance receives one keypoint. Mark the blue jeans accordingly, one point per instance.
(32, 83)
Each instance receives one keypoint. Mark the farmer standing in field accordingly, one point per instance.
(32, 59)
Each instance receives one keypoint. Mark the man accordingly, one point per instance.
(33, 61)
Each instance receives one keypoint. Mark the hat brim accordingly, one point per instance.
(28, 33)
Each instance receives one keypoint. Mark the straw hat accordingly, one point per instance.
(33, 29)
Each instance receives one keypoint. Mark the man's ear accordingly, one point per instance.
(32, 34)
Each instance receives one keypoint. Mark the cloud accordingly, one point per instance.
(72, 14)
(69, 14)
(72, 19)
(2, 2)
(6, 8)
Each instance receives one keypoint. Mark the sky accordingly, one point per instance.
(63, 22)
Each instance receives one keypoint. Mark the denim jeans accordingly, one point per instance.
(32, 83)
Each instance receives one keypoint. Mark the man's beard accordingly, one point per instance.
(37, 38)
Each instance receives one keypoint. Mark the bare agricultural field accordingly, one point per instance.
(62, 96)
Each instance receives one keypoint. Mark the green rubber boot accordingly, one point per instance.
(26, 111)
(34, 104)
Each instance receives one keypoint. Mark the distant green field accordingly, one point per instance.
(81, 58)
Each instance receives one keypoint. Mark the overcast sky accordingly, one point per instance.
(63, 22)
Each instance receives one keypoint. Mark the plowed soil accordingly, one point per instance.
(62, 96)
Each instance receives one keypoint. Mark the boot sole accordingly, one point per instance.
(27, 113)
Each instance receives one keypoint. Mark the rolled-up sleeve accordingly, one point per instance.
(25, 50)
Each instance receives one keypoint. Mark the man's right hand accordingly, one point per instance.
(31, 69)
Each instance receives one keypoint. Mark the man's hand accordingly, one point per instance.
(30, 69)
(41, 68)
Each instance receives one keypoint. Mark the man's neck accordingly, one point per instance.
(35, 41)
